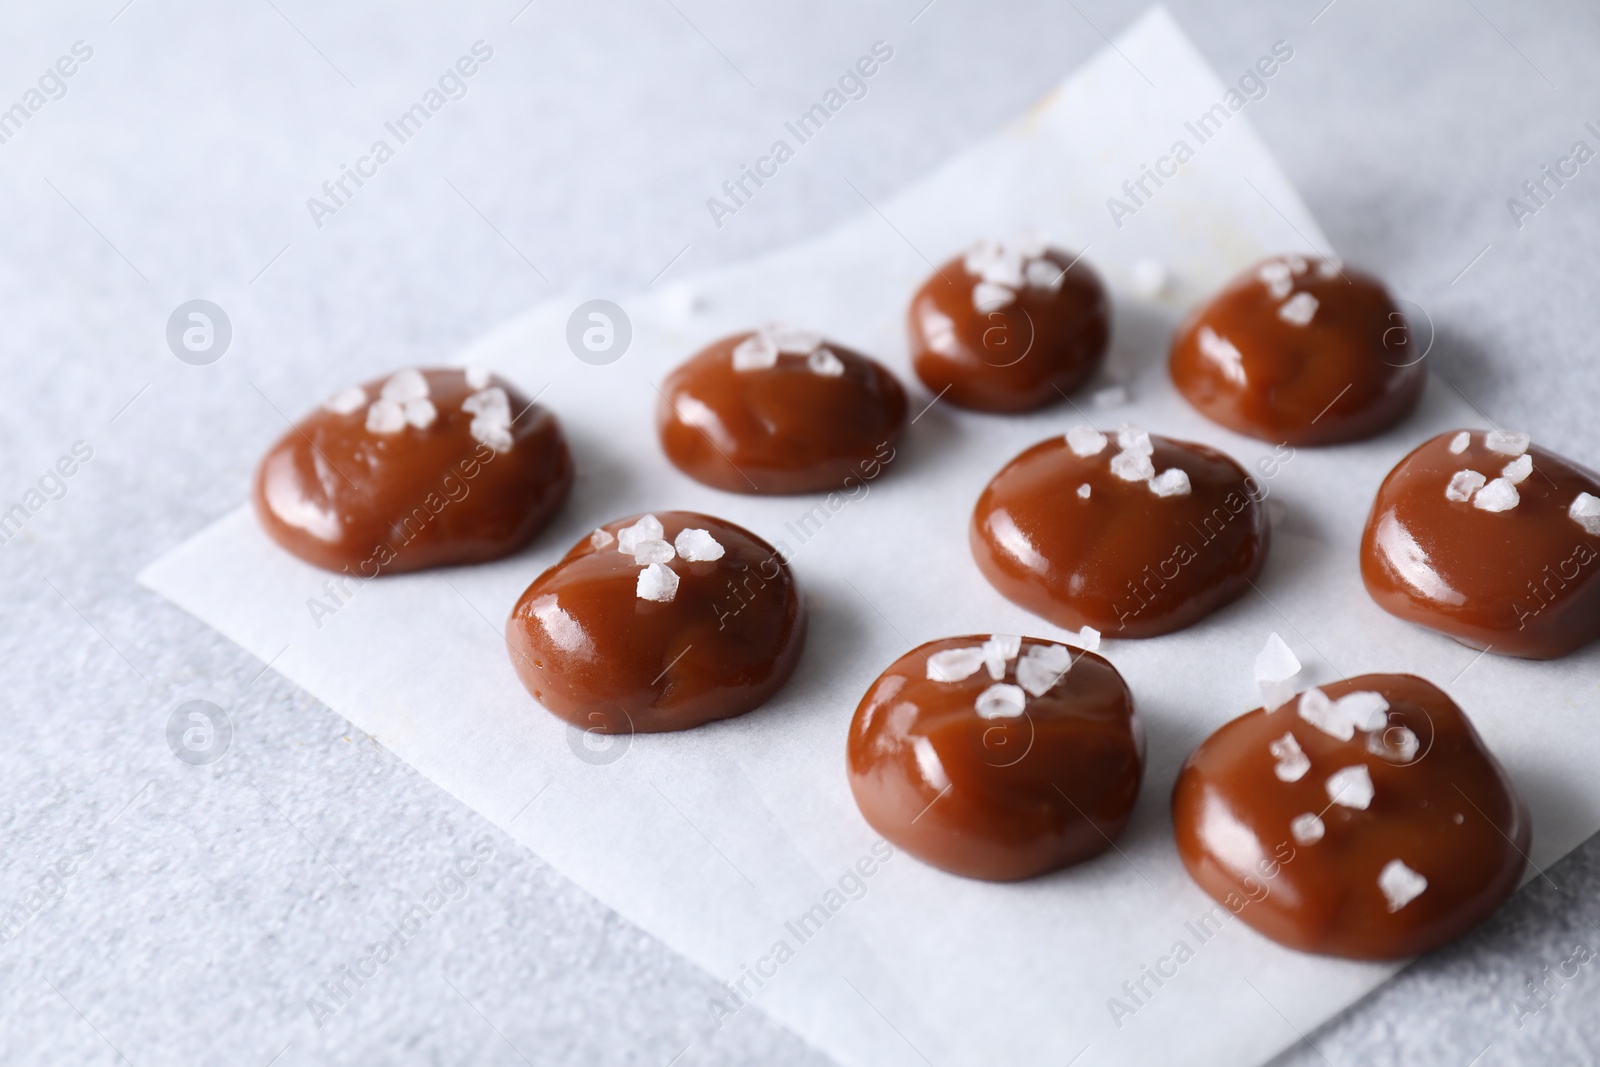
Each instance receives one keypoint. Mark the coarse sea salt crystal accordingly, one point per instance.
(1350, 787)
(987, 296)
(1041, 667)
(1150, 278)
(601, 539)
(1315, 708)
(657, 582)
(477, 376)
(1364, 709)
(1516, 472)
(1083, 491)
(645, 528)
(405, 385)
(497, 435)
(981, 252)
(793, 340)
(999, 650)
(648, 552)
(1292, 761)
(421, 413)
(1307, 828)
(386, 416)
(1507, 442)
(1276, 663)
(491, 424)
(1086, 441)
(1297, 264)
(1463, 484)
(1498, 495)
(1298, 310)
(755, 352)
(1405, 743)
(1223, 353)
(1087, 638)
(1043, 274)
(954, 664)
(1170, 482)
(1029, 243)
(347, 401)
(1001, 701)
(1006, 270)
(1277, 277)
(1133, 439)
(1400, 884)
(492, 401)
(1330, 267)
(825, 363)
(1132, 467)
(1585, 511)
(1459, 443)
(698, 546)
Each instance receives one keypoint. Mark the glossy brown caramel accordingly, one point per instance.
(1016, 357)
(1352, 371)
(1520, 582)
(597, 655)
(1123, 560)
(344, 498)
(1441, 805)
(780, 429)
(996, 798)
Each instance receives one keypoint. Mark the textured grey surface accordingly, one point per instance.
(205, 904)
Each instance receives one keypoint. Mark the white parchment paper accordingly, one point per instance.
(719, 840)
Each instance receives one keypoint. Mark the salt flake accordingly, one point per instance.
(657, 582)
(1459, 443)
(1170, 482)
(1400, 884)
(1041, 667)
(1585, 511)
(645, 528)
(998, 651)
(648, 552)
(698, 546)
(347, 401)
(1506, 442)
(1001, 701)
(1132, 467)
(1516, 472)
(1298, 310)
(825, 363)
(1498, 495)
(386, 416)
(1292, 761)
(1316, 709)
(1307, 828)
(405, 385)
(954, 664)
(755, 352)
(1350, 787)
(1086, 441)
(1463, 484)
(987, 296)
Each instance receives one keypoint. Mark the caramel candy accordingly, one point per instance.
(997, 757)
(1009, 327)
(1131, 534)
(1490, 540)
(658, 622)
(421, 469)
(1300, 350)
(1365, 819)
(780, 411)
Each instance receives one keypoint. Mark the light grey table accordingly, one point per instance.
(202, 905)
